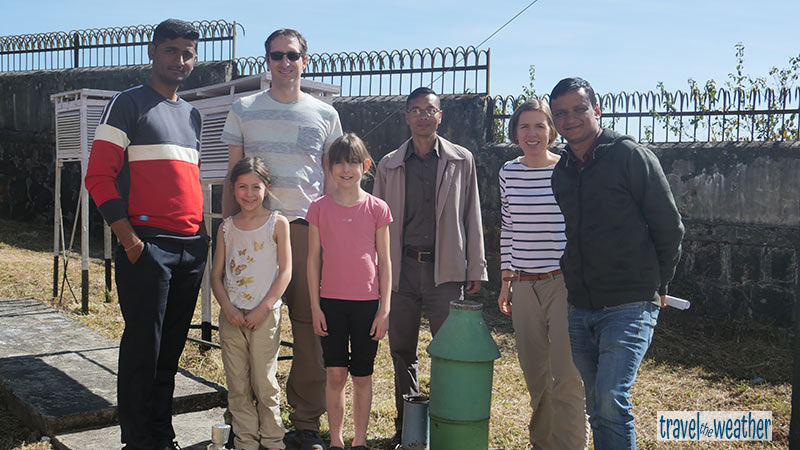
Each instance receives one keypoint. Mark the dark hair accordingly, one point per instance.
(533, 104)
(348, 148)
(287, 32)
(173, 29)
(573, 84)
(247, 165)
(420, 92)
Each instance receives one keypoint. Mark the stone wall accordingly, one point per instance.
(741, 206)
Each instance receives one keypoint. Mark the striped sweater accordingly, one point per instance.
(144, 163)
(532, 233)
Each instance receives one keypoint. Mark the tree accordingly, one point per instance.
(745, 108)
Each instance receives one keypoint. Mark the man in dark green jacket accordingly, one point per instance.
(624, 237)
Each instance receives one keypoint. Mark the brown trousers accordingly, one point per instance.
(539, 315)
(416, 291)
(305, 387)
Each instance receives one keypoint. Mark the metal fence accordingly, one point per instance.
(729, 115)
(114, 46)
(396, 72)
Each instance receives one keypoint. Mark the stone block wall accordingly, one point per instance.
(741, 207)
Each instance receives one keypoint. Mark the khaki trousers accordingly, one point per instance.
(539, 315)
(251, 361)
(305, 387)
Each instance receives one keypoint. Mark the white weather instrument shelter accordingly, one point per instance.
(77, 115)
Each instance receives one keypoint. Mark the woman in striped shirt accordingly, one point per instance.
(531, 243)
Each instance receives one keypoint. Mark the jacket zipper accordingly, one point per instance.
(580, 234)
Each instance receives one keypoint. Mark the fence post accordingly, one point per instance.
(76, 43)
(488, 66)
(233, 43)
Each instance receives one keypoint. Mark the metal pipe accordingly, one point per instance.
(415, 422)
(205, 291)
(56, 223)
(84, 219)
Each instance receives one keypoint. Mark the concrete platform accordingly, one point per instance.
(193, 432)
(60, 376)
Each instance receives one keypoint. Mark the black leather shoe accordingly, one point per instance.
(311, 440)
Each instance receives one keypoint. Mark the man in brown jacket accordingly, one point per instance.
(436, 238)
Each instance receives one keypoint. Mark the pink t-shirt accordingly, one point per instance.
(347, 236)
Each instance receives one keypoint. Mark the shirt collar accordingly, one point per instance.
(589, 155)
(410, 149)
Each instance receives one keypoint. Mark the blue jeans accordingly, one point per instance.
(608, 345)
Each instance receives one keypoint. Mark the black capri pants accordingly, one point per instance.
(349, 323)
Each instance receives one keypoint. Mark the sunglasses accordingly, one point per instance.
(277, 56)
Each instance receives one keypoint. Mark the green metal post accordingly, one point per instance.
(462, 363)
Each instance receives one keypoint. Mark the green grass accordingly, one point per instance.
(694, 363)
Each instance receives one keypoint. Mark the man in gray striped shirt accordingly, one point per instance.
(291, 131)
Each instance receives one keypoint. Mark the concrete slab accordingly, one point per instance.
(59, 375)
(192, 430)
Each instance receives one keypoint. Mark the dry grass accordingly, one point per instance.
(694, 362)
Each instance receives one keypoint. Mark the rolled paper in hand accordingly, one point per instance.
(678, 303)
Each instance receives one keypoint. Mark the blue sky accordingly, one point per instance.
(615, 44)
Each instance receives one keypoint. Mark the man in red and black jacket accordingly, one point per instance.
(143, 174)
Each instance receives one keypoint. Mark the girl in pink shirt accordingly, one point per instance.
(349, 282)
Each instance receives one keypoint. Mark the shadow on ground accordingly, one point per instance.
(38, 237)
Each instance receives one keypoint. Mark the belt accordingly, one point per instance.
(524, 276)
(422, 257)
